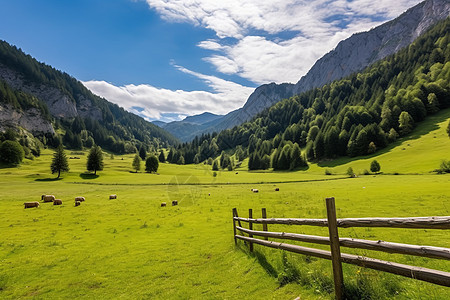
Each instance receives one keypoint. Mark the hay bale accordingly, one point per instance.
(31, 204)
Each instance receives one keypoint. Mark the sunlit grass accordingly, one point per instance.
(132, 248)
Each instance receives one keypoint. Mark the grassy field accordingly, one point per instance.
(132, 248)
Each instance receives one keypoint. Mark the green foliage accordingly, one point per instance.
(444, 167)
(406, 123)
(95, 159)
(448, 129)
(151, 164)
(59, 161)
(114, 130)
(375, 166)
(350, 172)
(161, 157)
(354, 116)
(142, 152)
(215, 166)
(136, 163)
(11, 152)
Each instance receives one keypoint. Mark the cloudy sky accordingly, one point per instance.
(166, 59)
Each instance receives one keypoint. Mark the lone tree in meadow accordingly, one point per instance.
(59, 161)
(151, 164)
(375, 166)
(95, 159)
(136, 163)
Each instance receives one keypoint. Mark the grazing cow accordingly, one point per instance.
(57, 202)
(113, 196)
(174, 202)
(81, 199)
(255, 190)
(277, 189)
(163, 204)
(48, 198)
(77, 203)
(31, 204)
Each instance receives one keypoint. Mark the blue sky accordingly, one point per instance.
(165, 59)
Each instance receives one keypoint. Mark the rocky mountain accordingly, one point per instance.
(188, 128)
(350, 56)
(363, 49)
(37, 97)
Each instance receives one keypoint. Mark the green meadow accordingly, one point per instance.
(131, 248)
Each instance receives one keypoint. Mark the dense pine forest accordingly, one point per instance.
(354, 116)
(117, 130)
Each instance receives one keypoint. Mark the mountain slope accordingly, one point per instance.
(188, 128)
(351, 55)
(354, 116)
(66, 100)
(363, 49)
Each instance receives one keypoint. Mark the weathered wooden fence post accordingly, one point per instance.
(335, 248)
(250, 226)
(234, 225)
(264, 216)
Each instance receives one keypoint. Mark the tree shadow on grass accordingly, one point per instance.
(48, 179)
(88, 176)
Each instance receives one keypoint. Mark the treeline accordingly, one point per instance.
(354, 116)
(117, 130)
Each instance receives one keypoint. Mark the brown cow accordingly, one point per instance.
(48, 198)
(81, 199)
(277, 189)
(113, 196)
(77, 203)
(57, 202)
(163, 204)
(31, 204)
(174, 202)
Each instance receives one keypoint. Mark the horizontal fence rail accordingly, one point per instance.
(424, 251)
(424, 274)
(418, 223)
(433, 276)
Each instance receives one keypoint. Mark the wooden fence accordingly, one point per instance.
(335, 242)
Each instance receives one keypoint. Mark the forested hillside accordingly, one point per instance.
(80, 116)
(354, 116)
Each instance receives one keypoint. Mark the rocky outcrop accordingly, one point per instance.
(351, 55)
(60, 105)
(30, 120)
(363, 49)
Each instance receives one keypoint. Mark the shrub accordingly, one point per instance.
(328, 172)
(151, 164)
(11, 152)
(350, 172)
(375, 166)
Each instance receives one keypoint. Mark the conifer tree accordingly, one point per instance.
(95, 159)
(59, 161)
(136, 163)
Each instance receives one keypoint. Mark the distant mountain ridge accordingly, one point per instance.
(350, 56)
(186, 129)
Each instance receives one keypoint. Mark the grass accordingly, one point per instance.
(133, 248)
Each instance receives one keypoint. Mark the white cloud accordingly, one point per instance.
(267, 56)
(156, 102)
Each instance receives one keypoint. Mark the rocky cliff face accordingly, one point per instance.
(59, 104)
(363, 49)
(351, 55)
(31, 120)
